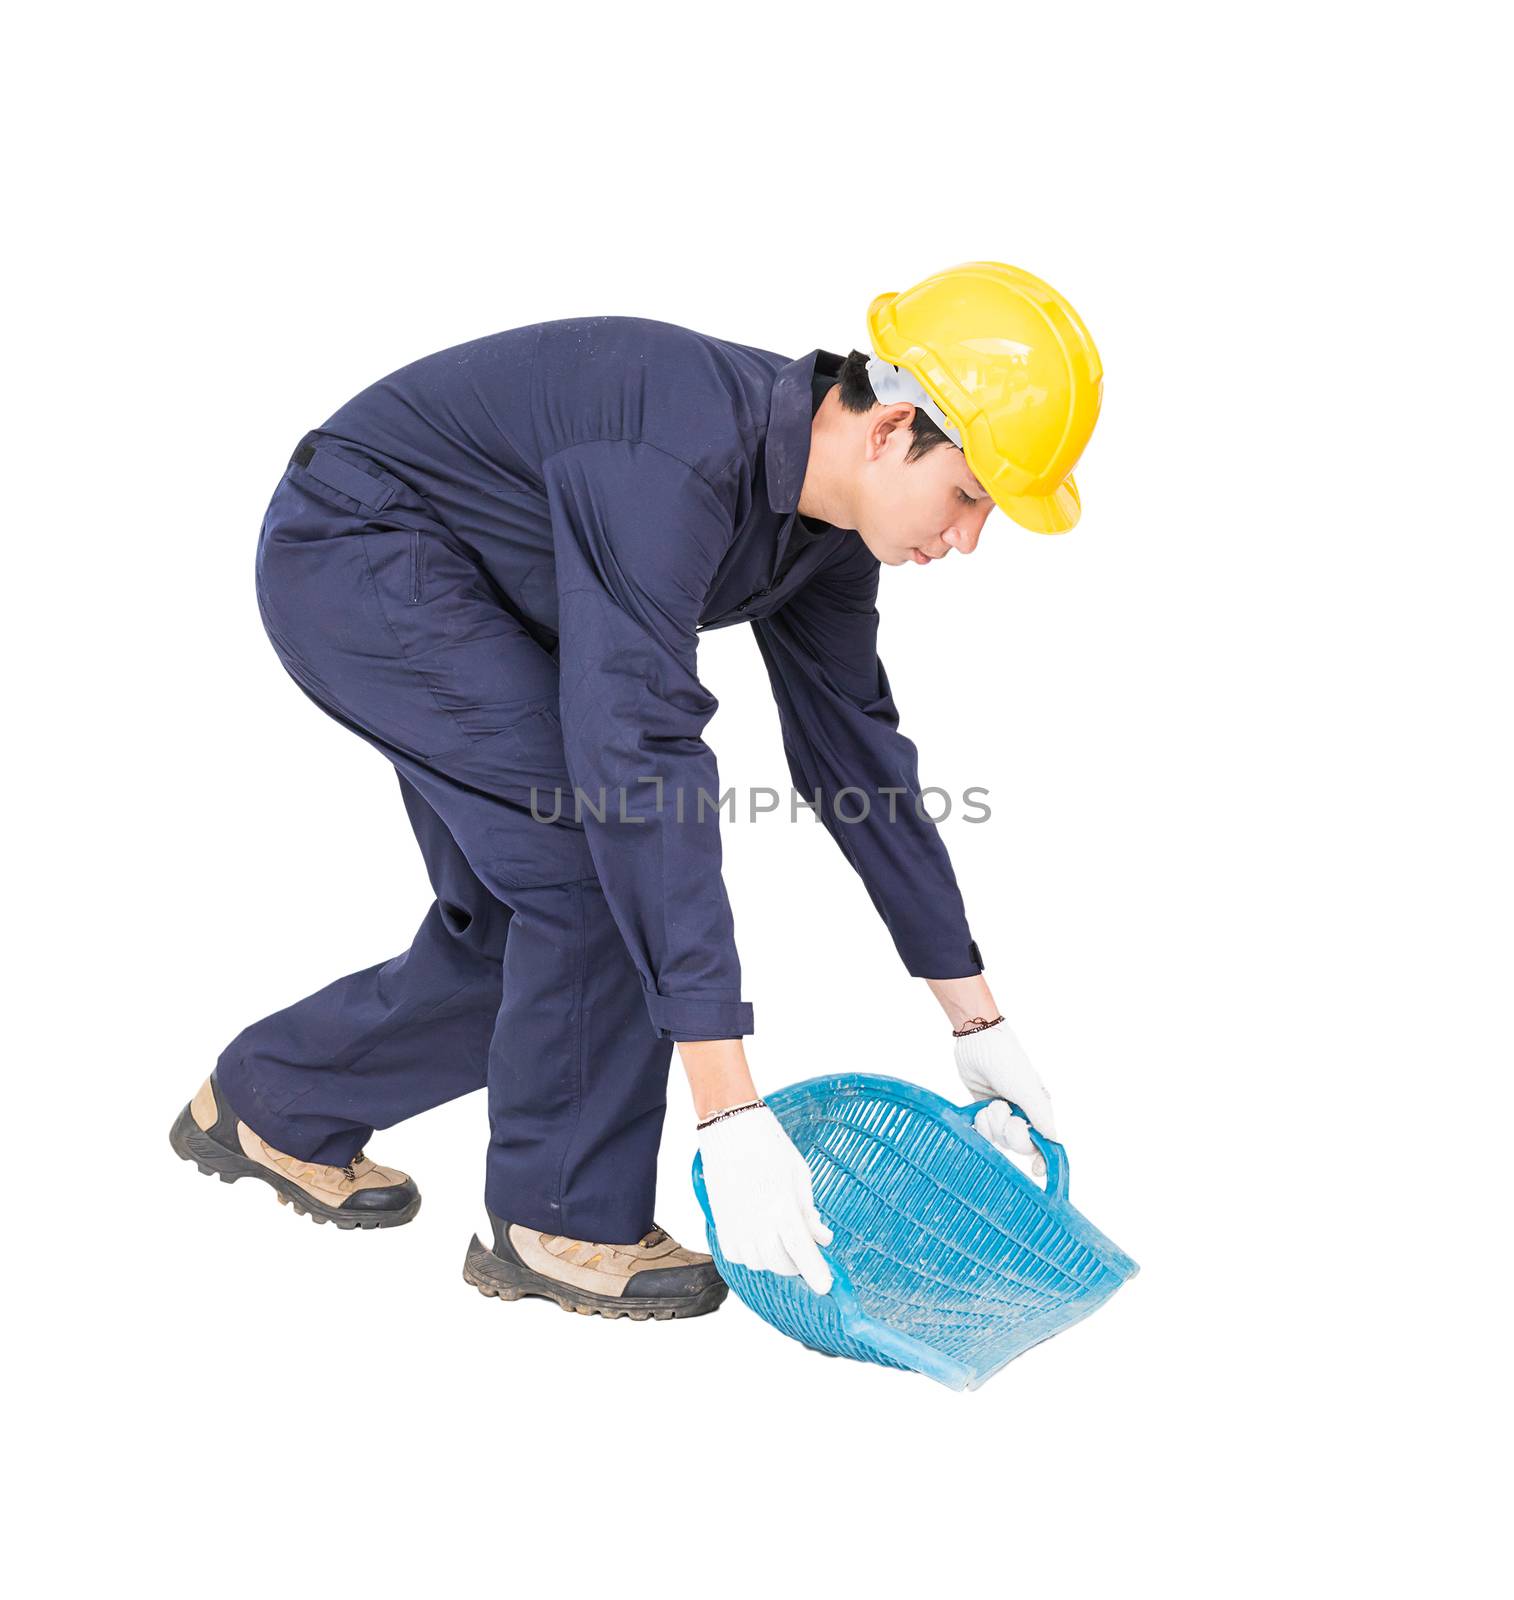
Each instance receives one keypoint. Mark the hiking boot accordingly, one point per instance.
(359, 1195)
(655, 1277)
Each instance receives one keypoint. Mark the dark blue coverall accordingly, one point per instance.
(494, 565)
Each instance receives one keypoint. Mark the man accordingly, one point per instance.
(494, 566)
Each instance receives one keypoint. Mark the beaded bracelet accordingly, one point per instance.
(975, 1025)
(730, 1111)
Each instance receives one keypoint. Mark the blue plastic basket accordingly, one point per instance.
(948, 1260)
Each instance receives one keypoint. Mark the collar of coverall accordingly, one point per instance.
(795, 393)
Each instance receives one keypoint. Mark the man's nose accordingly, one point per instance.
(963, 536)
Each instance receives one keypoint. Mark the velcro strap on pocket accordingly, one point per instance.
(371, 493)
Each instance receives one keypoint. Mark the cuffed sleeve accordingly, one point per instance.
(841, 736)
(683, 1017)
(638, 537)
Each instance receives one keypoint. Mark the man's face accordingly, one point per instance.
(920, 510)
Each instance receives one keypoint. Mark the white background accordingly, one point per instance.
(1245, 894)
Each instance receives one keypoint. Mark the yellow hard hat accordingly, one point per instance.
(1010, 364)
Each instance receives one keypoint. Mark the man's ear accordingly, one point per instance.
(883, 423)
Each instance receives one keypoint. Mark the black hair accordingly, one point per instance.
(857, 395)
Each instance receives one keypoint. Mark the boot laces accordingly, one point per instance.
(647, 1242)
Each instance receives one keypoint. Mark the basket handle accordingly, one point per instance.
(1058, 1174)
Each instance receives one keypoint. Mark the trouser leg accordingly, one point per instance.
(380, 1045)
(577, 1075)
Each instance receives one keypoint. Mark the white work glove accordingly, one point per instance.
(759, 1190)
(993, 1066)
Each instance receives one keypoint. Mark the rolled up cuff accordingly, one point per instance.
(684, 1019)
(953, 958)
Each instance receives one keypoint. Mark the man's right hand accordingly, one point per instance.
(761, 1197)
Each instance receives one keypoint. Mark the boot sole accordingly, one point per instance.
(503, 1280)
(191, 1143)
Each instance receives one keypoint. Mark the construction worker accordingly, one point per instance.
(494, 565)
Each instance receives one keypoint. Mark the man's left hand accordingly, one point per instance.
(993, 1066)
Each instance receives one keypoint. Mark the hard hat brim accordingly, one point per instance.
(1052, 513)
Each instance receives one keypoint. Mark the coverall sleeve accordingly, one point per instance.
(841, 732)
(638, 537)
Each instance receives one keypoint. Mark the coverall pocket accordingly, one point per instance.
(483, 671)
(400, 633)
